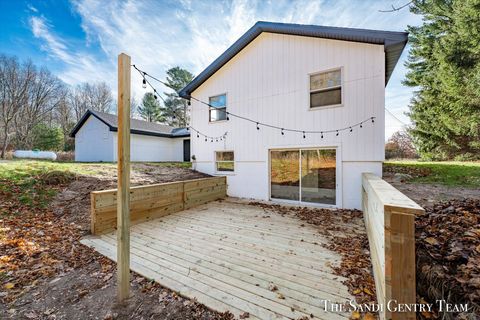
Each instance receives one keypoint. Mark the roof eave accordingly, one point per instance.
(389, 40)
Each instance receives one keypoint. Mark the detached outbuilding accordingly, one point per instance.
(96, 140)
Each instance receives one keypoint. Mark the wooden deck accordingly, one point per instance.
(233, 256)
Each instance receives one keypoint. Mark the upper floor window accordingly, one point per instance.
(326, 88)
(218, 108)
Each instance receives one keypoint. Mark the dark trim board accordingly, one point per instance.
(393, 43)
(173, 132)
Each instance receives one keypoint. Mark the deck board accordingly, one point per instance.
(227, 255)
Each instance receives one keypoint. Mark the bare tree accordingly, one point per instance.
(14, 83)
(400, 145)
(87, 96)
(44, 93)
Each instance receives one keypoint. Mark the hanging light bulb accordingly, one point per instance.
(321, 134)
(228, 118)
(361, 124)
(282, 132)
(205, 139)
(337, 133)
(258, 128)
(373, 119)
(144, 83)
(155, 96)
(188, 102)
(351, 129)
(198, 136)
(303, 134)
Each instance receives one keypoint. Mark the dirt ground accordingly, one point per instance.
(447, 240)
(53, 276)
(428, 194)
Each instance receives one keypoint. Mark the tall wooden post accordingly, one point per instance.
(123, 190)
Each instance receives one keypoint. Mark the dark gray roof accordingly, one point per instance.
(393, 43)
(136, 126)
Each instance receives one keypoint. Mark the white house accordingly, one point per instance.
(96, 140)
(303, 77)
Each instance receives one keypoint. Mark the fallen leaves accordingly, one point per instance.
(447, 249)
(346, 233)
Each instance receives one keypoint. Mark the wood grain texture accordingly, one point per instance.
(154, 201)
(390, 222)
(228, 256)
(123, 203)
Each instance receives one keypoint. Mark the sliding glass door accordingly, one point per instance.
(306, 175)
(285, 183)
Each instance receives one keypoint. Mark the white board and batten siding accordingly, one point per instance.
(269, 81)
(94, 142)
(152, 148)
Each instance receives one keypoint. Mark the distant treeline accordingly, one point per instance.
(38, 110)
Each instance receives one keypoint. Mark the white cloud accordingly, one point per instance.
(78, 66)
(160, 34)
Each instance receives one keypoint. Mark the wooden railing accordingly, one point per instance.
(153, 201)
(390, 222)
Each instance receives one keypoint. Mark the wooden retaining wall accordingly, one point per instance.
(390, 222)
(153, 201)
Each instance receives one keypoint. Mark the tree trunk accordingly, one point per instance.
(5, 142)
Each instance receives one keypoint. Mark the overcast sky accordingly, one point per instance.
(80, 40)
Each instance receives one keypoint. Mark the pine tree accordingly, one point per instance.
(444, 67)
(175, 111)
(150, 109)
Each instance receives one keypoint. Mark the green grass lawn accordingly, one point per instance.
(449, 173)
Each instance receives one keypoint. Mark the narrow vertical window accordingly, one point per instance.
(218, 108)
(326, 89)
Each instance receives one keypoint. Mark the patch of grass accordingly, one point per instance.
(449, 173)
(33, 182)
(186, 165)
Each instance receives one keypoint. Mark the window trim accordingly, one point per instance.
(215, 162)
(341, 86)
(210, 108)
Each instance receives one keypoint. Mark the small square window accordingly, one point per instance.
(326, 89)
(218, 108)
(224, 161)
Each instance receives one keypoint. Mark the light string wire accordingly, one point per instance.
(259, 123)
(189, 127)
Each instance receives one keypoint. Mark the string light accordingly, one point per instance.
(258, 123)
(144, 83)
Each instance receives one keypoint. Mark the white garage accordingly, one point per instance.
(96, 140)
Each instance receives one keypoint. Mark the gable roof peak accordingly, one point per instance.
(393, 42)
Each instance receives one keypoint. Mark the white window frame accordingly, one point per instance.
(339, 173)
(216, 161)
(210, 108)
(342, 87)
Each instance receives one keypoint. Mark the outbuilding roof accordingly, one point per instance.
(136, 126)
(393, 43)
